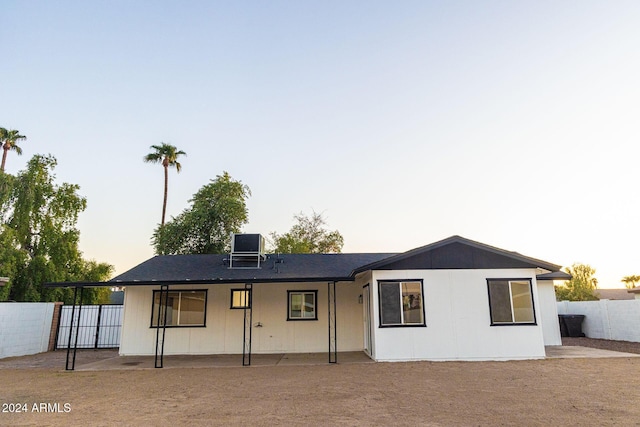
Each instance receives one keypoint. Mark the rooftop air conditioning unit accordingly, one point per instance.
(247, 250)
(247, 243)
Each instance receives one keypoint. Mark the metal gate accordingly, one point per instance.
(98, 327)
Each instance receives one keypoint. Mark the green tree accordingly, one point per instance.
(39, 238)
(9, 141)
(308, 235)
(582, 285)
(10, 259)
(6, 187)
(167, 155)
(630, 281)
(217, 210)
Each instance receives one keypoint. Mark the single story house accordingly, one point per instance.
(635, 291)
(455, 299)
(615, 294)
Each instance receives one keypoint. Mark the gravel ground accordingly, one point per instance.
(549, 392)
(567, 392)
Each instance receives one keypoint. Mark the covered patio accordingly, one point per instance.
(218, 296)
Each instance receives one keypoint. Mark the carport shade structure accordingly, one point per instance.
(174, 271)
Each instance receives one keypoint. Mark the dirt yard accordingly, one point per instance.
(544, 392)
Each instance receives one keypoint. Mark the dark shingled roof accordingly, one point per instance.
(453, 253)
(276, 268)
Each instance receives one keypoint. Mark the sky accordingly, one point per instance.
(512, 123)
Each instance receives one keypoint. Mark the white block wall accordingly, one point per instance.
(607, 319)
(25, 328)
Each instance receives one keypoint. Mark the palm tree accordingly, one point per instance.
(630, 281)
(9, 140)
(167, 155)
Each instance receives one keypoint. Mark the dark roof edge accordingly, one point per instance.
(556, 275)
(194, 282)
(78, 284)
(457, 239)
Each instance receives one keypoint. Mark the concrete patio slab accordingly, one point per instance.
(99, 360)
(221, 361)
(291, 359)
(574, 352)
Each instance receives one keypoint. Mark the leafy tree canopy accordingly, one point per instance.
(217, 210)
(582, 285)
(308, 235)
(630, 281)
(39, 238)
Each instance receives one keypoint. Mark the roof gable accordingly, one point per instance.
(457, 253)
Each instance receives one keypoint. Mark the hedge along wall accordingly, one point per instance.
(607, 319)
(25, 328)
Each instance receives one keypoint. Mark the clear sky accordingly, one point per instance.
(513, 123)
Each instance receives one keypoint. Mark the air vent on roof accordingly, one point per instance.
(247, 251)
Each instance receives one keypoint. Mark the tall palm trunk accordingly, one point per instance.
(166, 185)
(166, 155)
(5, 150)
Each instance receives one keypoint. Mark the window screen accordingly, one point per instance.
(390, 312)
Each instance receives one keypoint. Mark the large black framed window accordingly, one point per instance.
(511, 302)
(401, 303)
(183, 308)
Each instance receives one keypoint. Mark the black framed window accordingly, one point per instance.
(302, 305)
(511, 302)
(183, 308)
(240, 298)
(401, 303)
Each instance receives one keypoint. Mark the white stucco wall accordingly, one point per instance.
(25, 328)
(223, 333)
(458, 323)
(607, 319)
(456, 313)
(549, 313)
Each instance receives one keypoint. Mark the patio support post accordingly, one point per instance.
(71, 364)
(248, 319)
(95, 345)
(333, 340)
(162, 320)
